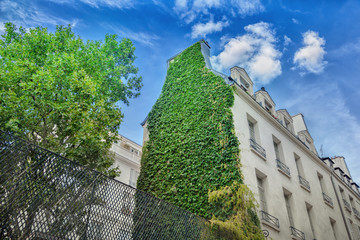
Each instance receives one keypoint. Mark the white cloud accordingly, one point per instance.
(247, 7)
(294, 20)
(109, 3)
(190, 10)
(28, 15)
(330, 121)
(141, 37)
(206, 3)
(287, 40)
(348, 48)
(311, 56)
(100, 3)
(202, 29)
(255, 51)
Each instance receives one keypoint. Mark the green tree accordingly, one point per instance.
(63, 93)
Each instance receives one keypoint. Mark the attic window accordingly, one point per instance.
(268, 106)
(308, 143)
(287, 123)
(243, 82)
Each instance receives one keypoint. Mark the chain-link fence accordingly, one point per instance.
(45, 196)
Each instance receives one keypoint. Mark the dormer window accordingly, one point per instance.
(287, 123)
(308, 143)
(268, 106)
(244, 83)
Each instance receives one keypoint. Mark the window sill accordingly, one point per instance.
(270, 225)
(287, 175)
(328, 204)
(257, 153)
(305, 188)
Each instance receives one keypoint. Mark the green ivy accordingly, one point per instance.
(192, 147)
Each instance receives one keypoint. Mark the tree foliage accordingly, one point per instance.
(233, 213)
(63, 93)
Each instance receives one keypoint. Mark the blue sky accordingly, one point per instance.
(305, 53)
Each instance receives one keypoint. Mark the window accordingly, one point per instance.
(263, 204)
(252, 131)
(333, 227)
(288, 208)
(276, 148)
(310, 216)
(321, 181)
(133, 150)
(287, 124)
(351, 226)
(352, 202)
(299, 166)
(308, 143)
(244, 83)
(268, 106)
(133, 177)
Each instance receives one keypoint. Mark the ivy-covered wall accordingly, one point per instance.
(192, 147)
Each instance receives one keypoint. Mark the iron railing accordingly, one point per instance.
(283, 167)
(297, 233)
(257, 148)
(327, 199)
(356, 213)
(305, 183)
(46, 196)
(270, 219)
(347, 205)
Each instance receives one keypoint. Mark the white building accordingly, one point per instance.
(300, 195)
(127, 158)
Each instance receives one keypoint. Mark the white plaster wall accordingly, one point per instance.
(126, 160)
(276, 181)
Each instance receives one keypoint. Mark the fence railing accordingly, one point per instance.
(305, 183)
(347, 205)
(46, 196)
(297, 233)
(327, 199)
(257, 147)
(356, 213)
(270, 219)
(283, 167)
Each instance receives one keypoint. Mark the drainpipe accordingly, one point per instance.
(341, 210)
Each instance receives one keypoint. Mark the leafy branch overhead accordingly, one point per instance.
(63, 93)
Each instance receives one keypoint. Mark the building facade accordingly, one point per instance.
(127, 159)
(300, 195)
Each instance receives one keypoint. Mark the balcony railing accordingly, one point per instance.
(328, 199)
(283, 167)
(347, 205)
(297, 233)
(270, 219)
(356, 213)
(304, 183)
(257, 148)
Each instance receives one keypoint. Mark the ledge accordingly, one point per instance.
(283, 172)
(305, 188)
(270, 225)
(257, 153)
(328, 204)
